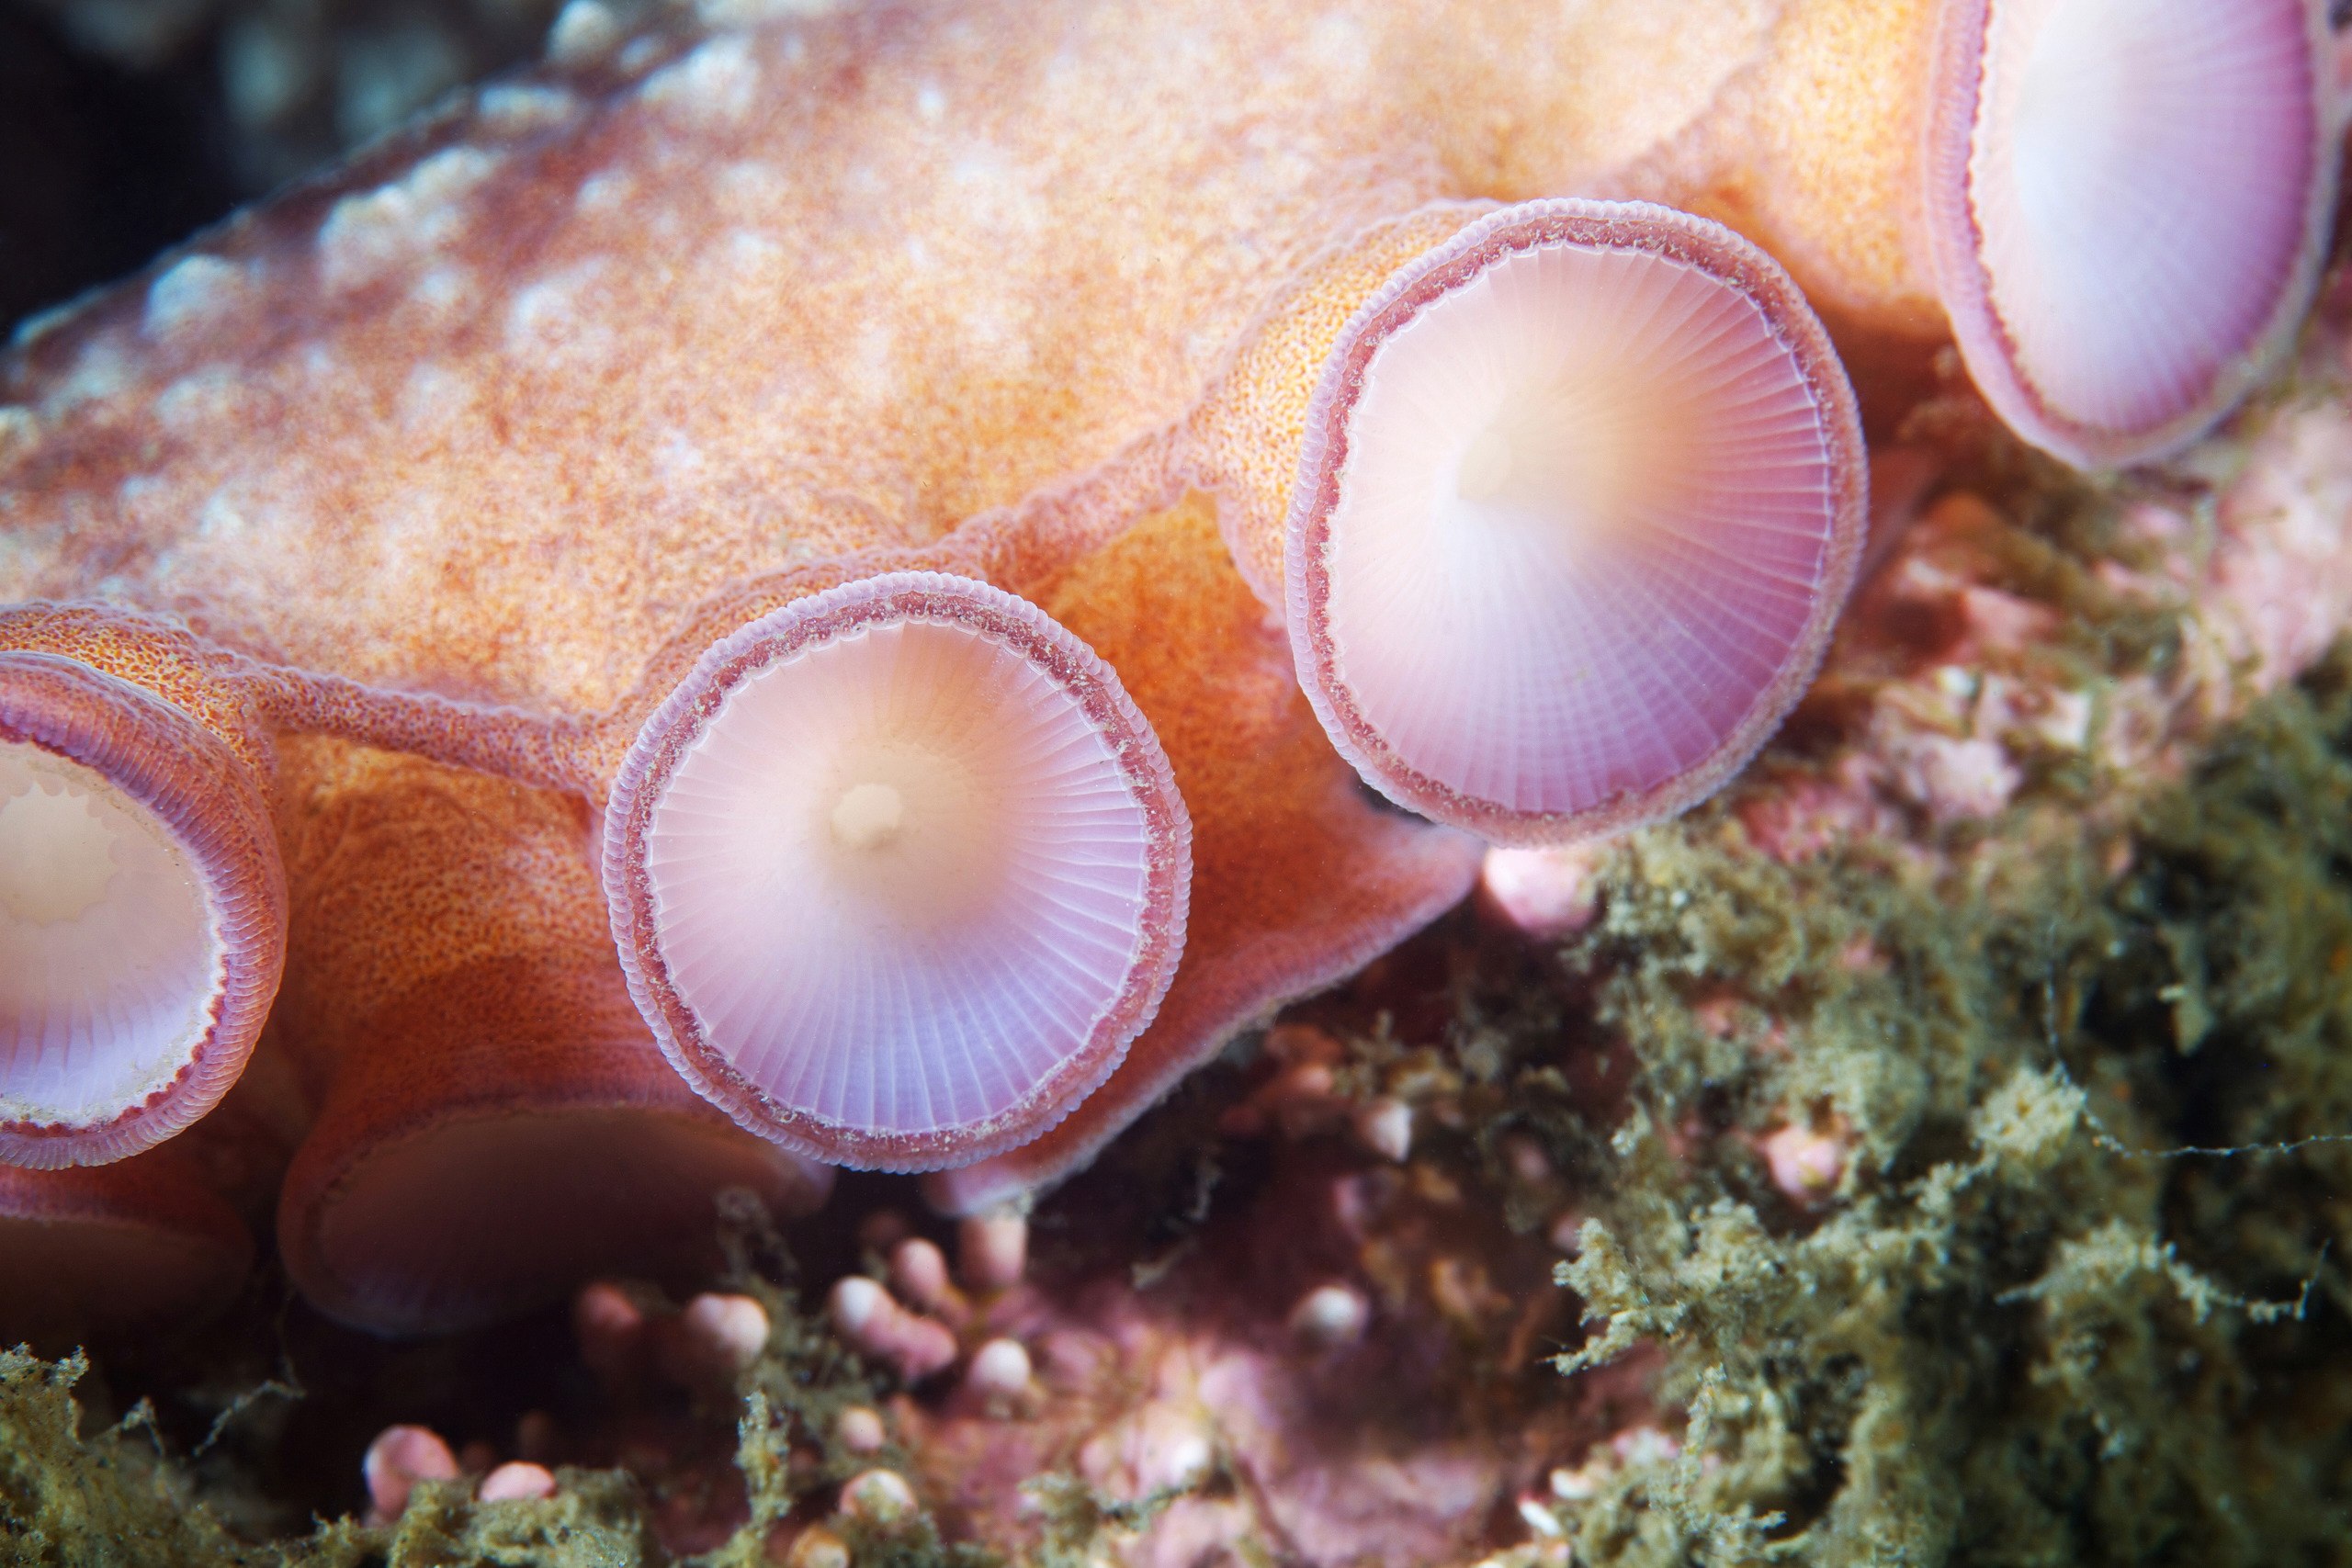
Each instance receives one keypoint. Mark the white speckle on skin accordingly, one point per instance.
(443, 288)
(100, 370)
(16, 565)
(930, 102)
(751, 255)
(221, 521)
(145, 499)
(1338, 52)
(232, 518)
(604, 192)
(584, 32)
(718, 83)
(752, 191)
(548, 320)
(995, 190)
(717, 14)
(517, 108)
(213, 395)
(194, 290)
(434, 397)
(678, 462)
(873, 363)
(368, 234)
(19, 433)
(995, 338)
(640, 54)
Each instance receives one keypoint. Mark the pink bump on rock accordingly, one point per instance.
(860, 1429)
(1805, 1163)
(992, 1251)
(2128, 202)
(1581, 496)
(713, 1339)
(398, 1460)
(1540, 890)
(1386, 1127)
(872, 1322)
(517, 1481)
(881, 1495)
(919, 1272)
(898, 872)
(815, 1546)
(1330, 1316)
(999, 1370)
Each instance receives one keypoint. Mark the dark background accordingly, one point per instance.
(127, 125)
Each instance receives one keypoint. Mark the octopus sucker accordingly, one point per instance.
(1580, 496)
(898, 872)
(142, 914)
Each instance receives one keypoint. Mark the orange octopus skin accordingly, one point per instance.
(529, 405)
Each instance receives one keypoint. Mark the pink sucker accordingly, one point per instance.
(2127, 201)
(142, 914)
(1581, 496)
(398, 1459)
(898, 872)
(873, 1323)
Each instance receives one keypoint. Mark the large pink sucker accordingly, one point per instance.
(2127, 201)
(1581, 494)
(898, 872)
(142, 915)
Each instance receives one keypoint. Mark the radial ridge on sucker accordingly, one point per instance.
(2127, 200)
(142, 915)
(898, 873)
(1580, 496)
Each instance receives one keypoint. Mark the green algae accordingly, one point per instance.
(2075, 1299)
(104, 1500)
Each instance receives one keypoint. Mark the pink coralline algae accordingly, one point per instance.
(858, 588)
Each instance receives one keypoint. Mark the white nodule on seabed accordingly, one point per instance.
(110, 961)
(1584, 519)
(1331, 1316)
(901, 877)
(2140, 179)
(999, 1370)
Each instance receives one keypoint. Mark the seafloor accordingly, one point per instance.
(2078, 1032)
